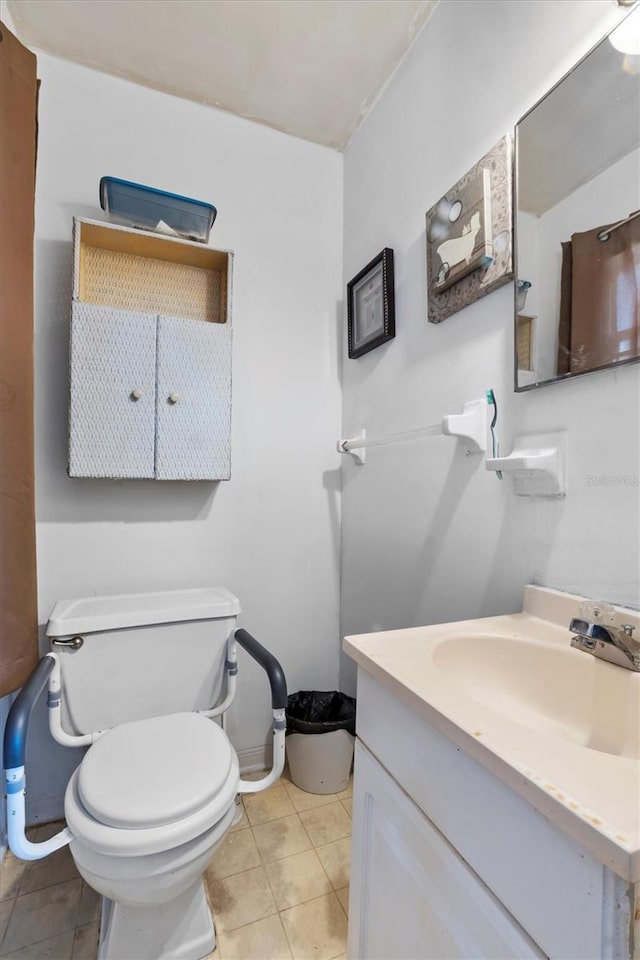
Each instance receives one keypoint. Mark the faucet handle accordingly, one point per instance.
(627, 629)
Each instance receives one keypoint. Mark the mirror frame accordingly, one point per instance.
(515, 180)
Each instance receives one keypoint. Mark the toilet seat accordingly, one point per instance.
(152, 772)
(151, 785)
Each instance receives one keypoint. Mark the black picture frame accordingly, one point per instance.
(371, 315)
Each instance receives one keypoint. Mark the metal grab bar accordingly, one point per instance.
(15, 745)
(278, 685)
(269, 663)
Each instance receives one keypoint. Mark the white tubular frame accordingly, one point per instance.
(279, 730)
(54, 703)
(15, 780)
(15, 776)
(19, 845)
(232, 683)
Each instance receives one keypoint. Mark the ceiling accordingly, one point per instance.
(311, 68)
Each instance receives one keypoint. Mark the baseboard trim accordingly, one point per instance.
(253, 759)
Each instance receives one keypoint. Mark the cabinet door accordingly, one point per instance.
(412, 895)
(113, 394)
(193, 430)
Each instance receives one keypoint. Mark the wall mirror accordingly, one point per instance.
(577, 218)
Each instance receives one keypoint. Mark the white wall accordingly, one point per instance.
(270, 534)
(428, 534)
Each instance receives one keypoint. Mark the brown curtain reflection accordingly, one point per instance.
(18, 612)
(600, 298)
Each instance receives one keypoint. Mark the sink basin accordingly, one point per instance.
(546, 687)
(557, 725)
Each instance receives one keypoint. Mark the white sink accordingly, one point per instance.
(559, 726)
(548, 688)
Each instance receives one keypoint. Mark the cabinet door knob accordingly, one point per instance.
(174, 397)
(135, 394)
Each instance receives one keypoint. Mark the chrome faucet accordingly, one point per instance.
(605, 640)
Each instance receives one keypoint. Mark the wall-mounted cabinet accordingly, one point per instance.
(150, 357)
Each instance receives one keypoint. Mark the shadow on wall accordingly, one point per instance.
(461, 470)
(332, 483)
(537, 522)
(59, 497)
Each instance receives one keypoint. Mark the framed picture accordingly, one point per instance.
(371, 314)
(469, 236)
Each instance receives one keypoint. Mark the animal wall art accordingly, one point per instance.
(469, 233)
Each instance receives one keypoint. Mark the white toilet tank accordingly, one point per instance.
(143, 655)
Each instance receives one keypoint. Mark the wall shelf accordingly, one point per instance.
(130, 269)
(537, 464)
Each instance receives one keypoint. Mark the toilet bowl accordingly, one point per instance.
(147, 808)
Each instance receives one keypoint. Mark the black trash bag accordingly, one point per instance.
(318, 711)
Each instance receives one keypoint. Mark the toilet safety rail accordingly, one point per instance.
(278, 685)
(47, 673)
(15, 744)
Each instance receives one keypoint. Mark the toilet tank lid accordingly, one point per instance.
(96, 614)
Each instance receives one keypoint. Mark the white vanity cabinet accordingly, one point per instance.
(449, 862)
(150, 357)
(413, 894)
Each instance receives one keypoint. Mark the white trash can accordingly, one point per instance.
(320, 740)
(320, 763)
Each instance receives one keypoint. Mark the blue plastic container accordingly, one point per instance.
(135, 205)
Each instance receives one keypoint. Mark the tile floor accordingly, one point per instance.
(278, 884)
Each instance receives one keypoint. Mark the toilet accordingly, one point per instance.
(140, 680)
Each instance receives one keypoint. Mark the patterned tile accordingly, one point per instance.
(56, 868)
(316, 929)
(343, 897)
(268, 805)
(336, 860)
(53, 948)
(263, 940)
(89, 906)
(85, 946)
(43, 914)
(281, 838)
(237, 852)
(240, 899)
(325, 824)
(6, 906)
(11, 876)
(297, 879)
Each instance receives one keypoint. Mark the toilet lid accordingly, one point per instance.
(153, 772)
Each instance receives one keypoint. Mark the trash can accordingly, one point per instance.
(321, 727)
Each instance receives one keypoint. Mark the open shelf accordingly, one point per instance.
(137, 271)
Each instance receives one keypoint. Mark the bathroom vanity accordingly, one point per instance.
(497, 792)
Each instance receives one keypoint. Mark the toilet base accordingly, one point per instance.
(179, 930)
